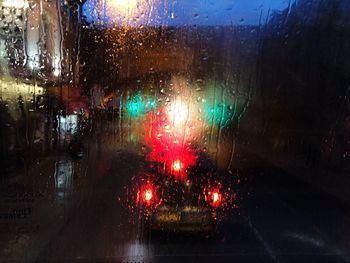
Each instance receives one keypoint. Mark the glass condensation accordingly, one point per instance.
(168, 130)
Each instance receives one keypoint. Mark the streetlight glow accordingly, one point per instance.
(125, 7)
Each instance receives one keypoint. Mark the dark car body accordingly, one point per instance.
(192, 201)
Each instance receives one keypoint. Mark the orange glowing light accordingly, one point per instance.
(177, 165)
(124, 7)
(216, 197)
(148, 195)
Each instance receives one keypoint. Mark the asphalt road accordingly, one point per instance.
(278, 219)
(83, 214)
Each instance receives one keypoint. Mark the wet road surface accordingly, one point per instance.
(277, 221)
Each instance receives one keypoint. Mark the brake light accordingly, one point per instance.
(215, 198)
(148, 195)
(177, 165)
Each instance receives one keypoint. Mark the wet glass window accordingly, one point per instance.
(175, 130)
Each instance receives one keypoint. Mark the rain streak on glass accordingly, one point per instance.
(168, 130)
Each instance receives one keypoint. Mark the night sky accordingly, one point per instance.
(185, 12)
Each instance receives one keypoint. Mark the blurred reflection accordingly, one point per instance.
(138, 252)
(64, 175)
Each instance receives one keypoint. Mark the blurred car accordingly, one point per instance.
(192, 202)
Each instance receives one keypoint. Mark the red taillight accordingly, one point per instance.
(177, 165)
(215, 198)
(148, 195)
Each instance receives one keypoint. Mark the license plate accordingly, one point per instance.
(168, 217)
